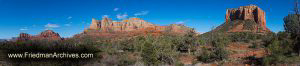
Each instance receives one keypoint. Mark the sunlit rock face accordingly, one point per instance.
(131, 24)
(108, 28)
(251, 12)
(47, 35)
(24, 37)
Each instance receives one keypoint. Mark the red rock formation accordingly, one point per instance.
(251, 12)
(48, 35)
(107, 28)
(24, 37)
(133, 24)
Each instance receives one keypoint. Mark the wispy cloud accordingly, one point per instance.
(51, 25)
(122, 16)
(67, 24)
(24, 28)
(70, 17)
(116, 9)
(181, 22)
(141, 13)
(105, 16)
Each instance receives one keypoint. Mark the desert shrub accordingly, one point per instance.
(217, 52)
(160, 50)
(281, 50)
(292, 26)
(187, 43)
(276, 48)
(244, 36)
(205, 55)
(281, 44)
(140, 41)
(149, 54)
(219, 47)
(166, 50)
(126, 60)
(128, 45)
(267, 39)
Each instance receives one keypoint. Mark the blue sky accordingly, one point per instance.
(69, 17)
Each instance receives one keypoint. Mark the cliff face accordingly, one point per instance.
(48, 35)
(251, 12)
(132, 24)
(24, 37)
(107, 28)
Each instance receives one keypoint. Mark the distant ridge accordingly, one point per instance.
(47, 34)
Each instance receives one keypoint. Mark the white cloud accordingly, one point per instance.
(25, 28)
(141, 13)
(69, 24)
(70, 17)
(116, 9)
(105, 16)
(122, 16)
(51, 25)
(180, 22)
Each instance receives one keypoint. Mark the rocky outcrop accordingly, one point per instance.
(132, 24)
(108, 28)
(47, 34)
(24, 37)
(251, 12)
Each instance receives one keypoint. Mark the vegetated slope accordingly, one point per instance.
(240, 26)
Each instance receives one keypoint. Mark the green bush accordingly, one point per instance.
(244, 36)
(149, 54)
(219, 48)
(125, 60)
(281, 48)
(205, 56)
(292, 24)
(217, 52)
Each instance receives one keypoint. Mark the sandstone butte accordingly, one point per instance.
(47, 35)
(132, 24)
(131, 27)
(251, 12)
